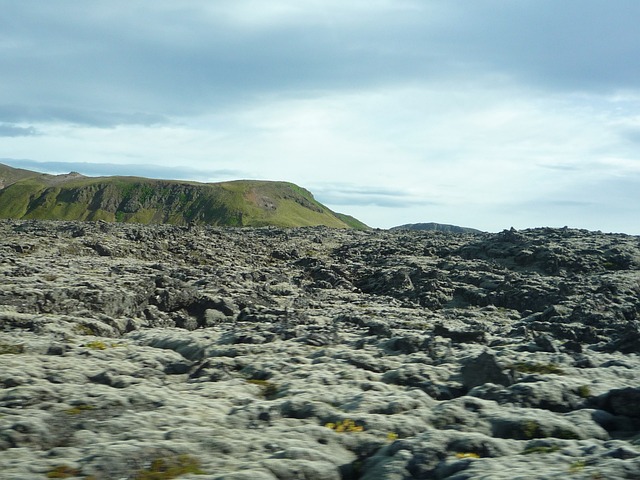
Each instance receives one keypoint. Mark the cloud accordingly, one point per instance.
(78, 116)
(459, 110)
(17, 131)
(357, 195)
(191, 57)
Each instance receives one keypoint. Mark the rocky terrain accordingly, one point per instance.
(156, 352)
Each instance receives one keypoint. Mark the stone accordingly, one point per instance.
(484, 369)
(317, 353)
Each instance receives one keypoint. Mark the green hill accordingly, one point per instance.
(436, 227)
(31, 195)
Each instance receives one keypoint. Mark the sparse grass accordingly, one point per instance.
(170, 467)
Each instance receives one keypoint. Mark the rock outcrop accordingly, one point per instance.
(132, 351)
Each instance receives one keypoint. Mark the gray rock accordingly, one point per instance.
(317, 353)
(485, 369)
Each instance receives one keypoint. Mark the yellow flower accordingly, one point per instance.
(467, 455)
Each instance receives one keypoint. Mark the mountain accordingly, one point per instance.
(438, 227)
(25, 194)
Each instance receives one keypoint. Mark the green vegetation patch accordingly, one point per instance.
(584, 391)
(11, 349)
(96, 345)
(83, 329)
(15, 199)
(531, 429)
(577, 466)
(170, 467)
(540, 450)
(78, 409)
(133, 199)
(344, 426)
(63, 471)
(352, 222)
(268, 389)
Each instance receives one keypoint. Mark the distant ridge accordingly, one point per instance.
(438, 227)
(26, 194)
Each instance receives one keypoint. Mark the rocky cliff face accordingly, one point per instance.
(131, 351)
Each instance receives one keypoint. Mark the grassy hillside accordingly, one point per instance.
(31, 195)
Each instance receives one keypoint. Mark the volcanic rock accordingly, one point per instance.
(137, 351)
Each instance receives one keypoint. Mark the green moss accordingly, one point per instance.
(531, 429)
(268, 389)
(584, 391)
(565, 434)
(11, 349)
(78, 409)
(96, 345)
(82, 329)
(171, 467)
(540, 449)
(577, 466)
(63, 471)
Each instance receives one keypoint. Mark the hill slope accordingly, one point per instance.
(32, 195)
(438, 227)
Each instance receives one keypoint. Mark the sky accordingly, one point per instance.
(489, 114)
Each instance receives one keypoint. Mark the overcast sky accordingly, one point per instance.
(480, 113)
